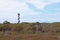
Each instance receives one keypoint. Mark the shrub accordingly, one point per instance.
(6, 22)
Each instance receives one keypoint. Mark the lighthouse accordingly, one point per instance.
(18, 17)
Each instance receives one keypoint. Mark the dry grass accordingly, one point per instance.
(42, 36)
(26, 36)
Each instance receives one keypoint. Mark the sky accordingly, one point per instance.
(30, 10)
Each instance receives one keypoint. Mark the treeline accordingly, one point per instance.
(26, 27)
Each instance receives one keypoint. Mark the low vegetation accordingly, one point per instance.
(29, 31)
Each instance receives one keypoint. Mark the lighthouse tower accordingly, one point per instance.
(18, 17)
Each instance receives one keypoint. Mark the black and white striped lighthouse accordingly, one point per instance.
(18, 17)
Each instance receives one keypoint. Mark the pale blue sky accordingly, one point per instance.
(30, 10)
